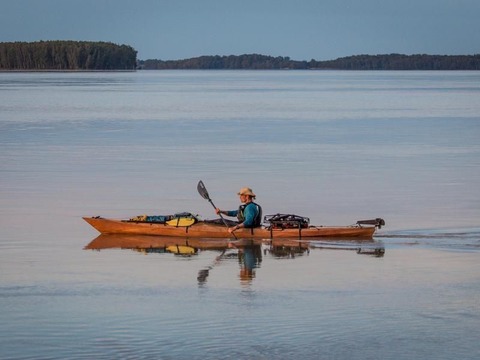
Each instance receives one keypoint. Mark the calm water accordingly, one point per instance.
(334, 146)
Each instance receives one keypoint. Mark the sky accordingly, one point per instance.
(299, 29)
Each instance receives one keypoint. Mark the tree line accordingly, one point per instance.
(358, 62)
(66, 55)
(85, 55)
(404, 62)
(231, 62)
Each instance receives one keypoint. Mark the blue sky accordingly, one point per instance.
(300, 29)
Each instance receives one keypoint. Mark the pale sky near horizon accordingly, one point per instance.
(299, 29)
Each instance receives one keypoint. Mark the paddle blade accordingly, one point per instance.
(202, 190)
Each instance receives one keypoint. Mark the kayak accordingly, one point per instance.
(205, 229)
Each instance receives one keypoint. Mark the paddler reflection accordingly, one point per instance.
(249, 255)
(249, 258)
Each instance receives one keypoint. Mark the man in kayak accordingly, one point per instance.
(249, 214)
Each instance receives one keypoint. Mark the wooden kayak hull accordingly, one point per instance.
(208, 230)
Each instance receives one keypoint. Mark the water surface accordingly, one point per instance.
(334, 146)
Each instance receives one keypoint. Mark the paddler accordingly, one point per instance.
(249, 214)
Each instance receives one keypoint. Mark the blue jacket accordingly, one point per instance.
(250, 215)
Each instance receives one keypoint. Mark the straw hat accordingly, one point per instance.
(246, 191)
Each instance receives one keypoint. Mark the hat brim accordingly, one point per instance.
(249, 194)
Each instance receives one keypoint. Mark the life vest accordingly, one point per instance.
(257, 221)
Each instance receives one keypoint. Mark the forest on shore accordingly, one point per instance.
(66, 56)
(99, 56)
(358, 62)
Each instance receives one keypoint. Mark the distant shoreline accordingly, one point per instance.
(213, 70)
(87, 56)
(66, 55)
(357, 62)
(63, 71)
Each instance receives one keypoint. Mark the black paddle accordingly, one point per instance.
(202, 190)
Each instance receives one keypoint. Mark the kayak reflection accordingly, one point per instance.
(276, 247)
(288, 248)
(249, 253)
(145, 243)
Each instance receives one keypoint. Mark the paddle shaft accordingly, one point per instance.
(221, 217)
